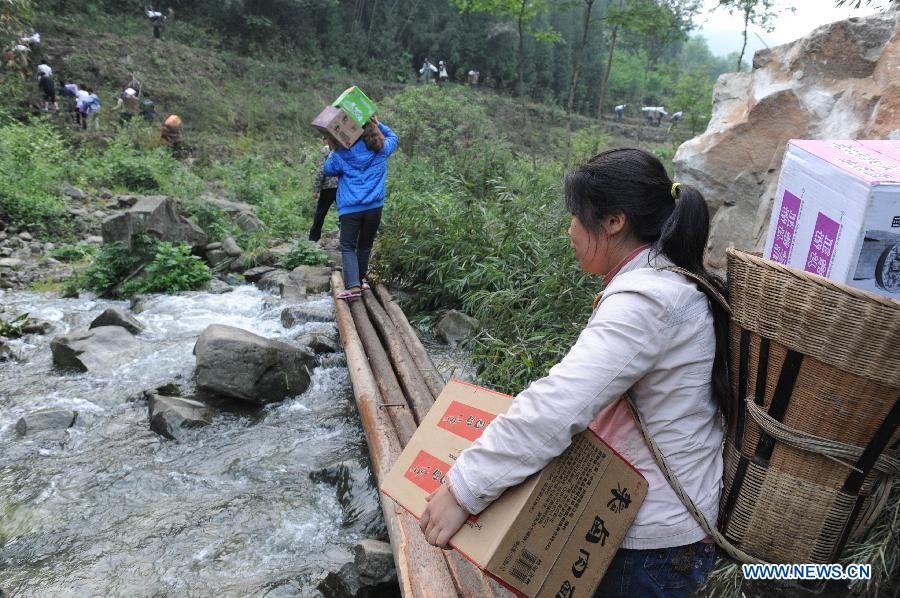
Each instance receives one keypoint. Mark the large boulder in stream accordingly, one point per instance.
(839, 82)
(242, 365)
(154, 215)
(96, 350)
(169, 416)
(113, 316)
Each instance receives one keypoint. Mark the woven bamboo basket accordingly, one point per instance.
(813, 440)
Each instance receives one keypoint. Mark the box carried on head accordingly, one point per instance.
(345, 118)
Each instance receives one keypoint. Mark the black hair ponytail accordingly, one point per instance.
(683, 240)
(673, 218)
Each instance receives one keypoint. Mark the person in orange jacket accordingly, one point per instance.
(172, 135)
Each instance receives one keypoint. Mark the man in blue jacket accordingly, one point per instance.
(362, 171)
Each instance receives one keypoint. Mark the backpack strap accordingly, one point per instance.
(722, 542)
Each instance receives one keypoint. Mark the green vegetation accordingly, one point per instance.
(304, 253)
(32, 171)
(173, 269)
(74, 253)
(13, 328)
(148, 267)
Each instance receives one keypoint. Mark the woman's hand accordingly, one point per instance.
(442, 517)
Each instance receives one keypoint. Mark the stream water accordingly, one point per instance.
(110, 508)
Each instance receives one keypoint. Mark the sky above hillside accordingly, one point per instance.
(723, 31)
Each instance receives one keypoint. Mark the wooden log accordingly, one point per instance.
(421, 568)
(394, 400)
(417, 393)
(470, 581)
(411, 339)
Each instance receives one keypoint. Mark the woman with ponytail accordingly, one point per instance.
(654, 333)
(362, 172)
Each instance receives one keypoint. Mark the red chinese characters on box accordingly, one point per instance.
(427, 472)
(465, 421)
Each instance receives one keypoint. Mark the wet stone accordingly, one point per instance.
(45, 420)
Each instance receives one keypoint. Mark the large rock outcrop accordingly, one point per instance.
(236, 363)
(99, 349)
(154, 215)
(842, 81)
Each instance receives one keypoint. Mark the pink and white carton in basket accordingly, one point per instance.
(837, 213)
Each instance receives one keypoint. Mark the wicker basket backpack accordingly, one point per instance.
(812, 447)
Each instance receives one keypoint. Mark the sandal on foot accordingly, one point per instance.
(346, 294)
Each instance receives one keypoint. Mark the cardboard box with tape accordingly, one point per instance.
(553, 535)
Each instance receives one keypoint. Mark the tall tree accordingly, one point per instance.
(754, 12)
(579, 55)
(522, 11)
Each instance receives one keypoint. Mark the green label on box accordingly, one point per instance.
(357, 104)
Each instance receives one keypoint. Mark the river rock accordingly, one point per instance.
(26, 236)
(113, 316)
(105, 193)
(126, 201)
(231, 247)
(347, 583)
(212, 246)
(254, 274)
(36, 326)
(45, 420)
(231, 207)
(272, 280)
(374, 561)
(96, 350)
(239, 364)
(157, 216)
(216, 257)
(306, 312)
(455, 327)
(218, 287)
(170, 415)
(11, 262)
(73, 192)
(838, 82)
(313, 279)
(248, 222)
(321, 342)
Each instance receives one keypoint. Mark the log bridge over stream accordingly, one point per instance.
(395, 383)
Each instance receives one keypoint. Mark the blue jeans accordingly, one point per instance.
(675, 572)
(357, 237)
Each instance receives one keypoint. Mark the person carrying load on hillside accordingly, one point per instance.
(82, 99)
(361, 172)
(92, 111)
(148, 110)
(48, 92)
(675, 119)
(324, 191)
(69, 92)
(654, 334)
(443, 76)
(44, 69)
(128, 104)
(157, 20)
(427, 71)
(620, 111)
(172, 135)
